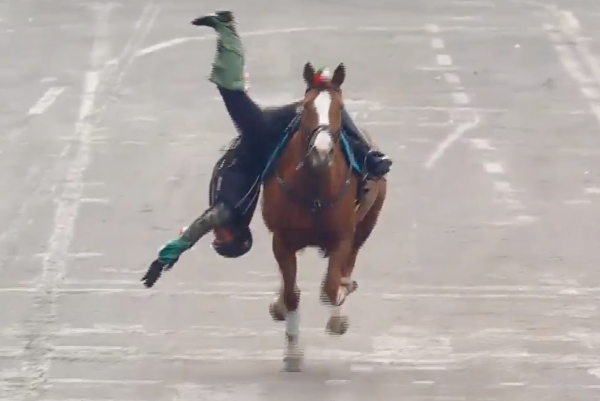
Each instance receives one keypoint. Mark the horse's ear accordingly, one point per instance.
(339, 75)
(309, 73)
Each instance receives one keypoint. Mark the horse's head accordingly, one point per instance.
(321, 120)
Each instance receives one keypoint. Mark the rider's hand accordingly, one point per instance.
(154, 272)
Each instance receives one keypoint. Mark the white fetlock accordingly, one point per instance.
(342, 293)
(350, 284)
(293, 355)
(277, 309)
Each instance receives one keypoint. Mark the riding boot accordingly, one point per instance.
(376, 163)
(215, 216)
(228, 67)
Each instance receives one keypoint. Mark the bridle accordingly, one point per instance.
(315, 202)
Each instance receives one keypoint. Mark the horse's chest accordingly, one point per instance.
(298, 218)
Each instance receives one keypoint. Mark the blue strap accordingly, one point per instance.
(290, 129)
(349, 154)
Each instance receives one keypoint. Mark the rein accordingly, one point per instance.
(317, 205)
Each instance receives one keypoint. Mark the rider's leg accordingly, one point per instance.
(376, 163)
(215, 216)
(228, 66)
(233, 199)
(256, 125)
(222, 186)
(228, 74)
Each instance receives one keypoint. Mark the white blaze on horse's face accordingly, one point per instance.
(323, 142)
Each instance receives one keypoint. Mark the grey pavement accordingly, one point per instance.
(480, 282)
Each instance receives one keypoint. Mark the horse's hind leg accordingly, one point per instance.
(286, 259)
(338, 323)
(363, 231)
(347, 272)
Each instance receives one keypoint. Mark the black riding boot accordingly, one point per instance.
(213, 20)
(375, 162)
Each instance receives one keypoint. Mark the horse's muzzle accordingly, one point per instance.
(321, 150)
(320, 160)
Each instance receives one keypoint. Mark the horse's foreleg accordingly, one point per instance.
(335, 289)
(286, 259)
(277, 308)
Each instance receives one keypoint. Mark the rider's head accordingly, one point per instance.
(232, 243)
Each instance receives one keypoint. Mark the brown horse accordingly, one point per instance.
(311, 201)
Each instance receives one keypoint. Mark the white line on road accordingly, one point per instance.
(460, 98)
(590, 93)
(578, 202)
(481, 143)
(595, 372)
(432, 28)
(575, 55)
(46, 100)
(437, 43)
(269, 287)
(241, 295)
(455, 135)
(443, 59)
(570, 25)
(441, 360)
(452, 78)
(95, 200)
(37, 358)
(141, 30)
(493, 168)
(270, 32)
(503, 186)
(227, 331)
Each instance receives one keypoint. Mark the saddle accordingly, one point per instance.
(367, 189)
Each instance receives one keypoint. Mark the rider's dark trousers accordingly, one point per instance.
(236, 187)
(262, 128)
(358, 142)
(236, 176)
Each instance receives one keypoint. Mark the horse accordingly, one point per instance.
(311, 200)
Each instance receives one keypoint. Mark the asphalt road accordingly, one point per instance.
(480, 282)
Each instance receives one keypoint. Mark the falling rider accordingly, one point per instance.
(236, 179)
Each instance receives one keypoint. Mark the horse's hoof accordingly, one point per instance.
(354, 286)
(292, 361)
(277, 311)
(291, 366)
(337, 325)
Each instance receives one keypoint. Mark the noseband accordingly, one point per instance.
(311, 136)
